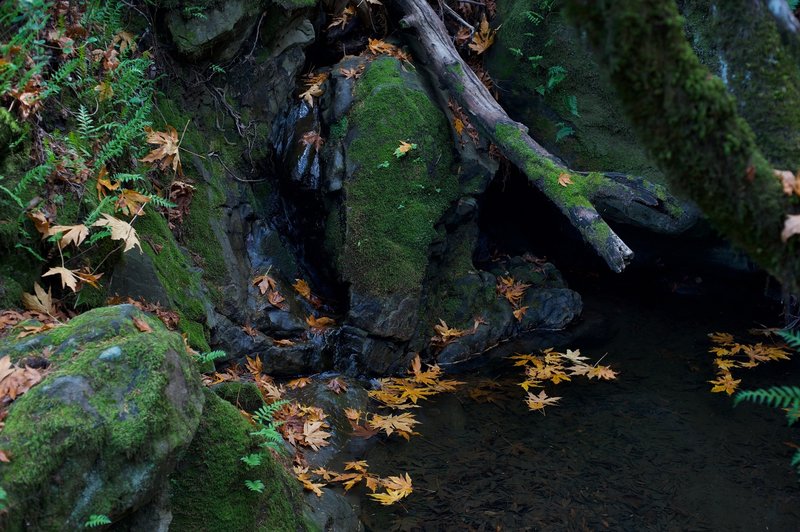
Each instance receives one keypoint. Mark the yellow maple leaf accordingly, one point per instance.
(725, 383)
(167, 152)
(302, 288)
(483, 38)
(538, 402)
(131, 203)
(39, 301)
(565, 180)
(120, 231)
(70, 234)
(404, 148)
(67, 276)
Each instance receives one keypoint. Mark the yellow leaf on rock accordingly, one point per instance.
(565, 180)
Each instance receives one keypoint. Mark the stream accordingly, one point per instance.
(653, 450)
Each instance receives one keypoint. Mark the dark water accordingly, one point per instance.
(653, 450)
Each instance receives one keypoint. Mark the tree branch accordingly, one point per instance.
(541, 168)
(690, 124)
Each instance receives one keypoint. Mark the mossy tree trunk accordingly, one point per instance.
(578, 200)
(690, 125)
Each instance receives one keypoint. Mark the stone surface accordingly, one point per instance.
(218, 34)
(103, 431)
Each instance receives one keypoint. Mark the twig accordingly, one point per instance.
(255, 42)
(228, 170)
(458, 17)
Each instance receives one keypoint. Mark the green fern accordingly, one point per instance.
(265, 414)
(777, 396)
(211, 356)
(792, 338)
(96, 520)
(253, 460)
(255, 485)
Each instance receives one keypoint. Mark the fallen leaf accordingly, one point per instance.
(131, 203)
(120, 231)
(166, 153)
(337, 385)
(300, 382)
(538, 402)
(312, 138)
(483, 38)
(40, 301)
(319, 324)
(283, 343)
(68, 278)
(565, 180)
(302, 288)
(725, 383)
(70, 234)
(404, 148)
(791, 226)
(142, 325)
(520, 313)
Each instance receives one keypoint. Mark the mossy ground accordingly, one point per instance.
(208, 491)
(394, 204)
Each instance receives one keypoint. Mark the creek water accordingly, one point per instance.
(653, 450)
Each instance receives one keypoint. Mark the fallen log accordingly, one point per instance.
(577, 196)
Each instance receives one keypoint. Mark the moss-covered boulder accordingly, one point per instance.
(208, 490)
(211, 29)
(103, 431)
(393, 202)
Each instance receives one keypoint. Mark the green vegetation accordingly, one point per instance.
(208, 487)
(580, 119)
(393, 210)
(118, 369)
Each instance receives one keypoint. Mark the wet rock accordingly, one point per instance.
(105, 428)
(135, 276)
(334, 512)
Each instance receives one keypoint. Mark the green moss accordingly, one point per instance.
(691, 126)
(181, 281)
(243, 395)
(124, 411)
(575, 195)
(205, 213)
(339, 129)
(603, 138)
(207, 488)
(392, 211)
(742, 44)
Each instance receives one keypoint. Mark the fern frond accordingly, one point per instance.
(97, 520)
(158, 201)
(211, 356)
(264, 414)
(792, 338)
(777, 396)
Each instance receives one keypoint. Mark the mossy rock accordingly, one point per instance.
(206, 30)
(104, 429)
(393, 204)
(740, 41)
(208, 492)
